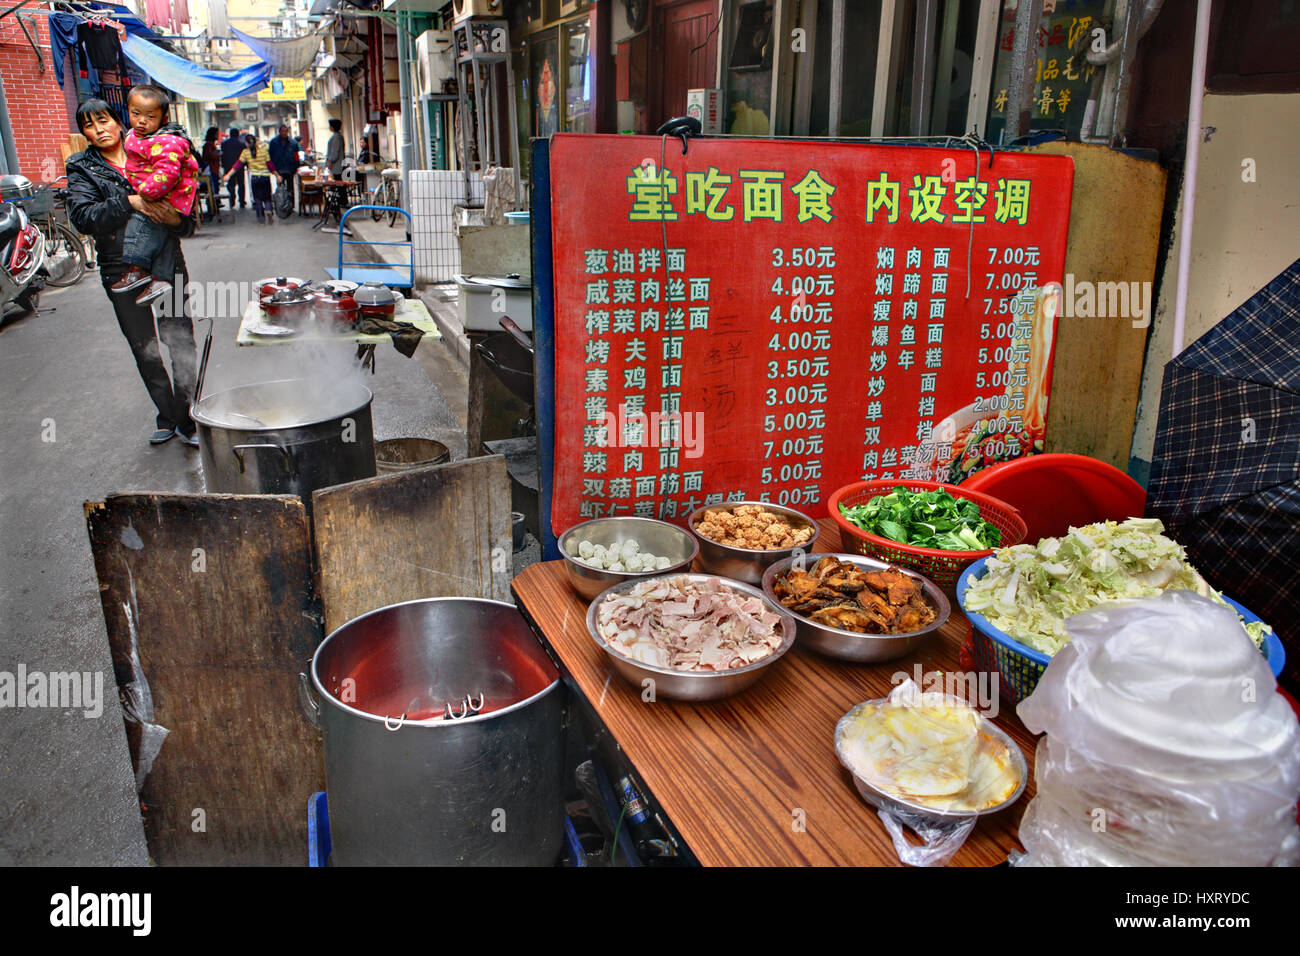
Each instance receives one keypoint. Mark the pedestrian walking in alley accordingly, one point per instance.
(230, 150)
(212, 162)
(334, 149)
(100, 202)
(257, 157)
(284, 160)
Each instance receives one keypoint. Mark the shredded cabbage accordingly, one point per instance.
(1029, 590)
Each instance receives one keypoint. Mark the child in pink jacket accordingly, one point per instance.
(161, 165)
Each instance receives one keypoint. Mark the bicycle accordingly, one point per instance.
(387, 194)
(60, 237)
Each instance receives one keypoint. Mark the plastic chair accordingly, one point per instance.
(1055, 492)
(397, 276)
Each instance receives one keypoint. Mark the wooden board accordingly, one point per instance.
(732, 775)
(439, 531)
(1114, 237)
(217, 589)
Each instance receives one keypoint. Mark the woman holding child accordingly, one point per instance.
(102, 203)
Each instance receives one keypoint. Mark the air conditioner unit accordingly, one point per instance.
(433, 59)
(464, 9)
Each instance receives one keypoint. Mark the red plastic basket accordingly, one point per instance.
(941, 567)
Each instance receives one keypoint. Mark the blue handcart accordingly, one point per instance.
(395, 276)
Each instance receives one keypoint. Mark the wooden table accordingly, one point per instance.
(335, 198)
(731, 776)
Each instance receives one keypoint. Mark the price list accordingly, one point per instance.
(766, 320)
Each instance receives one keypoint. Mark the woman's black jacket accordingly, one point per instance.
(99, 205)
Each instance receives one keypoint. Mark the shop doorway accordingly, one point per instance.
(686, 46)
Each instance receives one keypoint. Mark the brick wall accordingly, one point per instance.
(37, 109)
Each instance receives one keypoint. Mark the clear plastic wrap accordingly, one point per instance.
(1166, 744)
(933, 745)
(940, 840)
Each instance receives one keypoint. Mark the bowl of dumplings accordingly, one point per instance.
(603, 552)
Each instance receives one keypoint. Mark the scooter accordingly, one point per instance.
(22, 260)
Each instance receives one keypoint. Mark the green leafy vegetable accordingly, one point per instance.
(926, 519)
(1028, 590)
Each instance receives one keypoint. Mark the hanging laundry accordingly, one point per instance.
(158, 13)
(180, 14)
(218, 19)
(102, 45)
(64, 40)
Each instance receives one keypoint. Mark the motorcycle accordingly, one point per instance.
(22, 253)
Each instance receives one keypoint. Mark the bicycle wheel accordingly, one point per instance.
(395, 200)
(377, 200)
(60, 238)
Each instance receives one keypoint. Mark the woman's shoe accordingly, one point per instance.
(162, 435)
(189, 441)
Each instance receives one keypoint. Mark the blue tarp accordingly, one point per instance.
(189, 79)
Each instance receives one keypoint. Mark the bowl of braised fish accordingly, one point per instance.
(855, 608)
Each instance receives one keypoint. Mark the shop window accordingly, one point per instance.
(1063, 77)
(578, 96)
(749, 70)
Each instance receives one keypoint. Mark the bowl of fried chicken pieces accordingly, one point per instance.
(855, 608)
(740, 540)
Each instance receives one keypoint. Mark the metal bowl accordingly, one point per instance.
(745, 564)
(885, 801)
(656, 537)
(850, 645)
(692, 685)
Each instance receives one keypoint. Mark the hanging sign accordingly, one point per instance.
(283, 88)
(772, 320)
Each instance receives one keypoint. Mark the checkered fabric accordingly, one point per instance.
(1225, 473)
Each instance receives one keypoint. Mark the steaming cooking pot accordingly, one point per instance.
(291, 306)
(273, 285)
(336, 306)
(286, 437)
(376, 300)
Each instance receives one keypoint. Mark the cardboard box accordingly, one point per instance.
(705, 106)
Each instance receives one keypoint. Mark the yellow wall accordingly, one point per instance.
(1244, 233)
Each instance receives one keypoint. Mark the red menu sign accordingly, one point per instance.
(763, 319)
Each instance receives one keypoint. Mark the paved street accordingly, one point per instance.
(67, 793)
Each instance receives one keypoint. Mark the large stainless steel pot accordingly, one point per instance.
(286, 437)
(408, 785)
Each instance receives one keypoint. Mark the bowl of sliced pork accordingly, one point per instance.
(856, 608)
(697, 637)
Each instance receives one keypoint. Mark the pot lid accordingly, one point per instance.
(342, 285)
(375, 293)
(280, 282)
(288, 295)
(512, 281)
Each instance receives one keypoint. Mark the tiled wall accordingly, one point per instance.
(434, 194)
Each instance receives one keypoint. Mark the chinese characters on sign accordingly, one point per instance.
(773, 320)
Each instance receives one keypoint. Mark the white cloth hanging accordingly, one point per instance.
(288, 57)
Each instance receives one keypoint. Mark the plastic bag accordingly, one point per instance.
(283, 199)
(941, 841)
(1166, 744)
